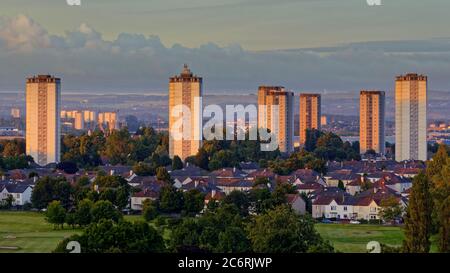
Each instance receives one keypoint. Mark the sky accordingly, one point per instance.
(236, 45)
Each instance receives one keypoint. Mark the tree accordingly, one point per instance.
(439, 160)
(194, 202)
(123, 237)
(233, 240)
(105, 210)
(281, 230)
(49, 189)
(71, 219)
(341, 185)
(56, 214)
(83, 214)
(170, 199)
(177, 164)
(390, 209)
(444, 229)
(418, 217)
(163, 175)
(201, 159)
(117, 147)
(67, 167)
(149, 210)
(240, 200)
(438, 171)
(143, 169)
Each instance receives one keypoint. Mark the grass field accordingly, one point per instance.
(30, 233)
(354, 238)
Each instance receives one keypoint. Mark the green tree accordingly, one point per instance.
(177, 164)
(123, 237)
(240, 200)
(170, 200)
(71, 219)
(143, 169)
(194, 202)
(390, 209)
(444, 229)
(56, 214)
(83, 213)
(341, 185)
(418, 217)
(281, 230)
(163, 175)
(149, 210)
(105, 210)
(49, 189)
(117, 147)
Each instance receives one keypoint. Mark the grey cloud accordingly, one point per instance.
(138, 63)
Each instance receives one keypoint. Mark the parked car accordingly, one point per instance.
(355, 222)
(326, 221)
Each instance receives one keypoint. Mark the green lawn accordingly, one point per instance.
(29, 232)
(354, 238)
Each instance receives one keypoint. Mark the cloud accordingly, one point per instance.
(135, 62)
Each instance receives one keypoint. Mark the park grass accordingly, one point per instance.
(354, 238)
(28, 232)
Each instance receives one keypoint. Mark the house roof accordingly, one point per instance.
(149, 193)
(262, 173)
(229, 172)
(214, 195)
(189, 171)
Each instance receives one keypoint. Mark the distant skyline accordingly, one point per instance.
(235, 45)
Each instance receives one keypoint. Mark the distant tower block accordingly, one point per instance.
(43, 130)
(371, 124)
(270, 96)
(310, 114)
(185, 90)
(411, 117)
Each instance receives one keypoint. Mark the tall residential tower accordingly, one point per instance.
(281, 125)
(310, 113)
(185, 114)
(371, 121)
(411, 117)
(43, 130)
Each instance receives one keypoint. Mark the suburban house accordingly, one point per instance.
(365, 205)
(346, 176)
(297, 203)
(137, 199)
(20, 192)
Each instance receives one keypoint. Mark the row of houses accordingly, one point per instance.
(366, 184)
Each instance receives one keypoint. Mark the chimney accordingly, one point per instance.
(34, 179)
(196, 183)
(362, 179)
(187, 164)
(111, 172)
(234, 169)
(131, 172)
(213, 193)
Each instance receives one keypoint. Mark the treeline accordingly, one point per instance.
(229, 226)
(428, 210)
(12, 155)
